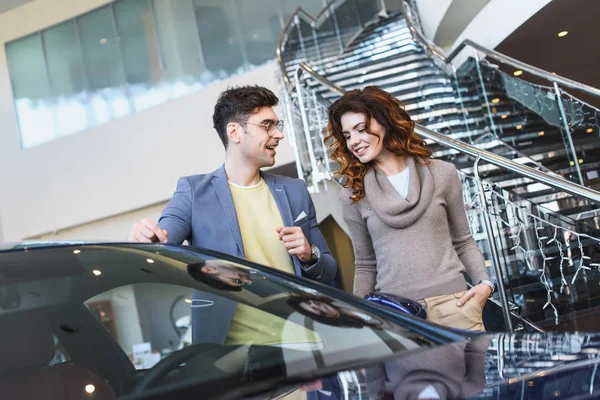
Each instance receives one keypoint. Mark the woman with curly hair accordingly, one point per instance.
(405, 211)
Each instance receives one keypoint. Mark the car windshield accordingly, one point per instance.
(138, 318)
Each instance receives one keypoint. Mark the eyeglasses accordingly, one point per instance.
(241, 282)
(270, 127)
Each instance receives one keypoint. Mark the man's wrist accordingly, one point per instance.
(315, 256)
(489, 284)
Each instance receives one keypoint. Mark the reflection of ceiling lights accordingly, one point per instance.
(541, 133)
(76, 251)
(519, 126)
(518, 72)
(580, 161)
(189, 301)
(589, 130)
(149, 261)
(97, 272)
(563, 33)
(103, 41)
(504, 116)
(90, 388)
(496, 100)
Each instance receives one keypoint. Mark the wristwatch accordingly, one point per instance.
(315, 255)
(490, 284)
(315, 252)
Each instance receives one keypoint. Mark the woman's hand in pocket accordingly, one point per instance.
(481, 293)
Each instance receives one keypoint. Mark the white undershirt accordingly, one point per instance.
(400, 182)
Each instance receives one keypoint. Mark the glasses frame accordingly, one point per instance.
(279, 125)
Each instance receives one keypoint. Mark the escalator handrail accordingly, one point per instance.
(439, 53)
(464, 148)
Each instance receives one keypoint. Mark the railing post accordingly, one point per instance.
(336, 27)
(300, 38)
(493, 249)
(463, 110)
(311, 152)
(290, 117)
(485, 96)
(565, 124)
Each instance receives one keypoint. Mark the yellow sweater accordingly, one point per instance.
(259, 218)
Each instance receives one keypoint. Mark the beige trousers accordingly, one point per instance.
(443, 310)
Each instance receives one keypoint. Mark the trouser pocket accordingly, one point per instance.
(443, 310)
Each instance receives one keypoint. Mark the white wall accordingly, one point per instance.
(109, 170)
(496, 21)
(431, 13)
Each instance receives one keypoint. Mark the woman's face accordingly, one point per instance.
(364, 146)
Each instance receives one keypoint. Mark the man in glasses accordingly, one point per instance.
(240, 210)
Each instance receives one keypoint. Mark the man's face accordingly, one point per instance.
(319, 308)
(258, 143)
(228, 274)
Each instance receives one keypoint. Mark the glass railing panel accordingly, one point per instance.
(583, 120)
(549, 263)
(367, 9)
(309, 43)
(327, 36)
(347, 15)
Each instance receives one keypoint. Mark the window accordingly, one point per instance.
(131, 55)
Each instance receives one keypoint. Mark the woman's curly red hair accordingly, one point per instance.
(400, 138)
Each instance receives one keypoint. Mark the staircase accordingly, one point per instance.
(549, 251)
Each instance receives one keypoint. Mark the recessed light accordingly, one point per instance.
(504, 116)
(149, 261)
(90, 388)
(589, 130)
(541, 133)
(580, 161)
(563, 33)
(76, 251)
(571, 163)
(519, 126)
(97, 272)
(496, 100)
(518, 72)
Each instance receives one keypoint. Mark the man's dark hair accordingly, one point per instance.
(195, 271)
(237, 104)
(343, 320)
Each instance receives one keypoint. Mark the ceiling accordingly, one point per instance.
(575, 56)
(6, 5)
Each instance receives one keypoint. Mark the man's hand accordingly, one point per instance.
(147, 231)
(295, 242)
(481, 293)
(313, 386)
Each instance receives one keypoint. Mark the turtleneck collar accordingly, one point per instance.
(390, 206)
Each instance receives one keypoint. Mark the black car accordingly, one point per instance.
(104, 321)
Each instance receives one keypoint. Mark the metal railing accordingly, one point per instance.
(314, 21)
(555, 79)
(439, 53)
(464, 148)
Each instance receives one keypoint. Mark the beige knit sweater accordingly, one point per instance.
(415, 247)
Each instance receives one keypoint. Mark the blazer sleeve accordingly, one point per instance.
(462, 239)
(325, 269)
(176, 218)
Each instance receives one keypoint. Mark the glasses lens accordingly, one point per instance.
(280, 125)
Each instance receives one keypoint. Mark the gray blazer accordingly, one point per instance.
(202, 212)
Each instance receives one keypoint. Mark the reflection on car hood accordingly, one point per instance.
(506, 366)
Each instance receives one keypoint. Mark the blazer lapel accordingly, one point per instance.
(281, 198)
(283, 203)
(224, 194)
